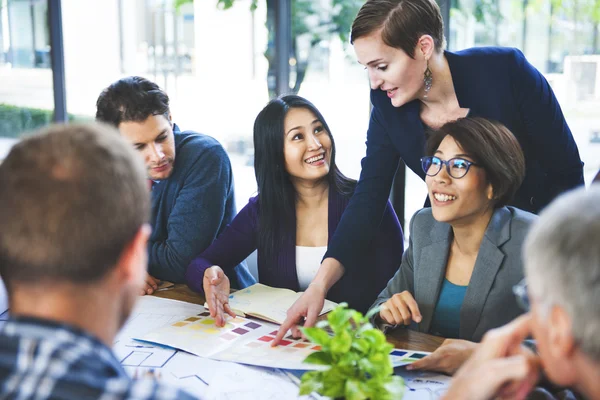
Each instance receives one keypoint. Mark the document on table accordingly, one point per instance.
(242, 382)
(423, 385)
(176, 367)
(152, 312)
(245, 341)
(241, 340)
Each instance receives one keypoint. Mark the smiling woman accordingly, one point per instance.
(464, 254)
(301, 197)
(307, 147)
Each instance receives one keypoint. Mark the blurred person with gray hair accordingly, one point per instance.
(74, 207)
(562, 263)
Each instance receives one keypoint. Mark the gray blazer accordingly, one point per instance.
(489, 301)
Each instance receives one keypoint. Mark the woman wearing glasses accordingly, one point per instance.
(464, 254)
(416, 85)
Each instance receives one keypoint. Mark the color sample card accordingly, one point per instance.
(240, 340)
(401, 357)
(247, 342)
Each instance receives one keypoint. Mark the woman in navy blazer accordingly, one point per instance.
(301, 198)
(416, 85)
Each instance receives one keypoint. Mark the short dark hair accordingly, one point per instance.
(131, 99)
(493, 147)
(402, 23)
(276, 194)
(73, 197)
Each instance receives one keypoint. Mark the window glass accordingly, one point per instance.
(26, 92)
(561, 39)
(209, 60)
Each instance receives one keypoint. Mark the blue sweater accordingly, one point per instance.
(494, 83)
(191, 208)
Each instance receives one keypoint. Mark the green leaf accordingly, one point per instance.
(225, 4)
(365, 327)
(361, 345)
(341, 343)
(367, 366)
(339, 318)
(375, 337)
(377, 390)
(349, 359)
(311, 381)
(319, 358)
(356, 390)
(178, 3)
(316, 335)
(395, 387)
(382, 366)
(334, 382)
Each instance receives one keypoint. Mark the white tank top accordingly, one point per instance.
(308, 261)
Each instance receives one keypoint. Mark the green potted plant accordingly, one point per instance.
(357, 357)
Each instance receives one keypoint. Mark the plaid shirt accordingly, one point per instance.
(40, 360)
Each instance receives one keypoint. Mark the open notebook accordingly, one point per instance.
(267, 303)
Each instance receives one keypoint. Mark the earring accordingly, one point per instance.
(427, 80)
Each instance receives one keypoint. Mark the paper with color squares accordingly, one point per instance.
(246, 341)
(241, 340)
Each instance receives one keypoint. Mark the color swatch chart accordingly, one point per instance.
(401, 357)
(241, 340)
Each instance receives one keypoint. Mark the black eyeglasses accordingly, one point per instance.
(520, 291)
(456, 167)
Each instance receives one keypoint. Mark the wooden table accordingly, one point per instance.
(400, 338)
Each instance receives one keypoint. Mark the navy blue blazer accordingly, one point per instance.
(494, 83)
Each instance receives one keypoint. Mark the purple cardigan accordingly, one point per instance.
(359, 286)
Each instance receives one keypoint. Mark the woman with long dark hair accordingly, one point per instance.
(301, 198)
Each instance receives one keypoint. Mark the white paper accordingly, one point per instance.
(175, 367)
(423, 385)
(239, 382)
(152, 312)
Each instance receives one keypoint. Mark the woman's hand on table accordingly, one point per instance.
(400, 309)
(216, 291)
(308, 306)
(448, 358)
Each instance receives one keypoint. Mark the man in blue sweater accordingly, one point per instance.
(189, 174)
